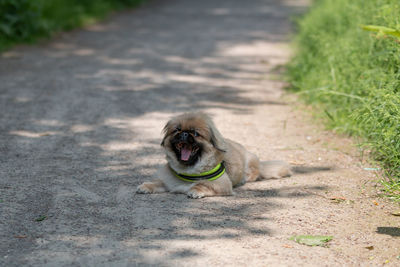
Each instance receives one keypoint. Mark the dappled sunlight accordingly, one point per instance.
(114, 168)
(32, 134)
(84, 52)
(149, 124)
(203, 221)
(220, 11)
(50, 123)
(119, 61)
(22, 99)
(253, 50)
(63, 45)
(113, 146)
(81, 128)
(87, 131)
(297, 3)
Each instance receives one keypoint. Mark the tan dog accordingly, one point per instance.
(202, 163)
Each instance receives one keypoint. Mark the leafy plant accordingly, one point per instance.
(24, 21)
(382, 30)
(312, 240)
(19, 19)
(352, 78)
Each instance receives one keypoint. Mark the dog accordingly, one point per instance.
(202, 163)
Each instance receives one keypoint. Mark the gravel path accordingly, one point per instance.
(80, 127)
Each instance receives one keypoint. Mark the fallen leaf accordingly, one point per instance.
(287, 246)
(375, 203)
(312, 240)
(20, 236)
(341, 198)
(337, 199)
(41, 218)
(370, 247)
(396, 213)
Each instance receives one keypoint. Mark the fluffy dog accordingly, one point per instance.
(201, 163)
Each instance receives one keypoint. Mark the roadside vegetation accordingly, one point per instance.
(350, 73)
(25, 21)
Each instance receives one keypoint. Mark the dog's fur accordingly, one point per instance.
(209, 149)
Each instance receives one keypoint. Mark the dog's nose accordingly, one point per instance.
(184, 136)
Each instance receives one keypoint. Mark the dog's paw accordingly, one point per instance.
(195, 194)
(151, 187)
(144, 188)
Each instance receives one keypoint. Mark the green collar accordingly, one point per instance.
(211, 175)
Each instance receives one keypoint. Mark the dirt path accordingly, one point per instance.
(80, 128)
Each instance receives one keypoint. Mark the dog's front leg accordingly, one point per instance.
(220, 187)
(157, 186)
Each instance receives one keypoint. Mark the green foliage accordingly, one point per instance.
(312, 240)
(18, 20)
(381, 29)
(392, 191)
(27, 20)
(352, 75)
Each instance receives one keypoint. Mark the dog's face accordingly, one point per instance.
(191, 138)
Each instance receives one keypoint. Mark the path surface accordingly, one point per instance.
(80, 127)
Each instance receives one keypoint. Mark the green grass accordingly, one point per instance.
(352, 76)
(25, 21)
(391, 190)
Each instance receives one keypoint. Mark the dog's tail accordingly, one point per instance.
(274, 169)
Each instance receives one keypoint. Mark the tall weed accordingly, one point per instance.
(352, 75)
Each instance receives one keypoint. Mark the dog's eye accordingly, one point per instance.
(177, 129)
(195, 133)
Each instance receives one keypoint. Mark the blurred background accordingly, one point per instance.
(27, 20)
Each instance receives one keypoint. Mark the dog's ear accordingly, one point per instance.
(166, 131)
(169, 129)
(163, 140)
(216, 139)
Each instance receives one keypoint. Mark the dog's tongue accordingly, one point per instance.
(185, 153)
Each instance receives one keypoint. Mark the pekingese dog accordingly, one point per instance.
(201, 163)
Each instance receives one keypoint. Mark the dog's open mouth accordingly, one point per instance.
(186, 150)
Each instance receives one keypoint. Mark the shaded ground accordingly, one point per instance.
(80, 128)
